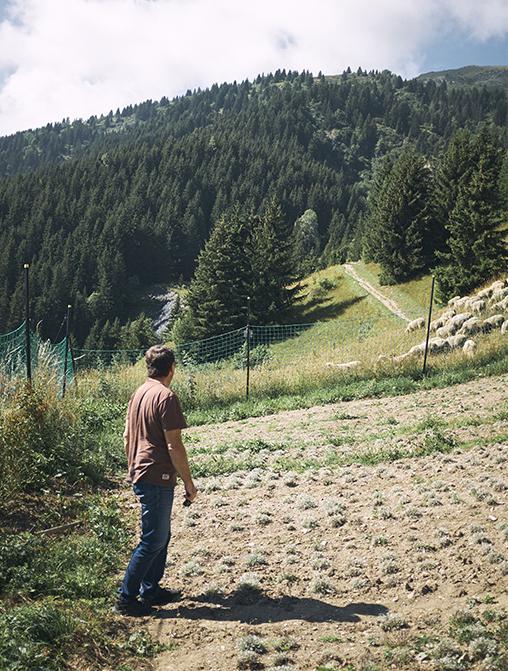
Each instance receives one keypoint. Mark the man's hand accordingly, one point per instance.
(190, 491)
(178, 456)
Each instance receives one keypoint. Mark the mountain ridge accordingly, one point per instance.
(471, 75)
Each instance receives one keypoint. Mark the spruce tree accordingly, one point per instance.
(400, 219)
(454, 168)
(217, 297)
(476, 249)
(334, 252)
(271, 264)
(373, 228)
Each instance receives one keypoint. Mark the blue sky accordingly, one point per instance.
(457, 49)
(75, 58)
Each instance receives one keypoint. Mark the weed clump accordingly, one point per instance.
(322, 586)
(192, 568)
(394, 623)
(253, 643)
(248, 589)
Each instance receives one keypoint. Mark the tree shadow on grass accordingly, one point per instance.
(323, 309)
(260, 609)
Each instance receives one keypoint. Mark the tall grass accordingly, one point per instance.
(61, 543)
(296, 374)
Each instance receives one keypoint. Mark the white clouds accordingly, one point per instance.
(81, 57)
(481, 18)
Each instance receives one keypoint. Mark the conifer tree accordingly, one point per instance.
(475, 248)
(333, 251)
(400, 220)
(217, 297)
(455, 167)
(271, 265)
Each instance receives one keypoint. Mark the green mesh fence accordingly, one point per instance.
(86, 359)
(275, 347)
(209, 350)
(275, 342)
(12, 352)
(45, 356)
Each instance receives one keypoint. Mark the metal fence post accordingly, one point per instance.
(428, 326)
(67, 326)
(28, 345)
(247, 345)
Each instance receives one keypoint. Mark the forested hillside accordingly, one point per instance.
(472, 75)
(103, 207)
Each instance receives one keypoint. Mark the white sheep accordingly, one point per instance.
(401, 357)
(343, 366)
(504, 327)
(495, 321)
(417, 349)
(454, 300)
(498, 284)
(463, 302)
(501, 305)
(478, 306)
(469, 347)
(445, 331)
(415, 325)
(484, 293)
(456, 341)
(471, 327)
(498, 295)
(437, 345)
(436, 324)
(448, 314)
(459, 319)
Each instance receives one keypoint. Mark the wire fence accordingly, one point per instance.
(272, 349)
(19, 349)
(242, 356)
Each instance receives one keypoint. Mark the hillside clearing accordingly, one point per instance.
(340, 567)
(412, 296)
(387, 302)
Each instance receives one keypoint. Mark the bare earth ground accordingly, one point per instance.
(336, 548)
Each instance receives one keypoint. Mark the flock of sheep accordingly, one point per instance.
(456, 327)
(463, 320)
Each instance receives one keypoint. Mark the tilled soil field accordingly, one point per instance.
(357, 536)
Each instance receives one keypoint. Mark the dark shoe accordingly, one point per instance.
(162, 597)
(132, 607)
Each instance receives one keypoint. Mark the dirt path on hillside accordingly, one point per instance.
(387, 302)
(354, 564)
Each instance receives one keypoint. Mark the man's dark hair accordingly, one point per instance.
(159, 360)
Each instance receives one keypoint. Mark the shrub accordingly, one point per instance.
(59, 441)
(258, 355)
(31, 636)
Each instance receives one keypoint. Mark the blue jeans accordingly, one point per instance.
(148, 561)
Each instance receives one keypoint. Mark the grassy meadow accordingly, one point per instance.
(346, 324)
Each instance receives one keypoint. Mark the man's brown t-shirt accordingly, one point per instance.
(153, 409)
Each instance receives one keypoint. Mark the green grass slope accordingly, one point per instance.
(412, 297)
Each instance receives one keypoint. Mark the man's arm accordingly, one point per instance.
(126, 435)
(178, 455)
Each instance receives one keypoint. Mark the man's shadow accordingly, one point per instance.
(258, 609)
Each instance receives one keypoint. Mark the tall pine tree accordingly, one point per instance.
(475, 247)
(271, 264)
(400, 221)
(217, 297)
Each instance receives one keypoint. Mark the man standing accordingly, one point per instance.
(155, 455)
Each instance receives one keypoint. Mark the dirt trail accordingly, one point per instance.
(387, 302)
(337, 548)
